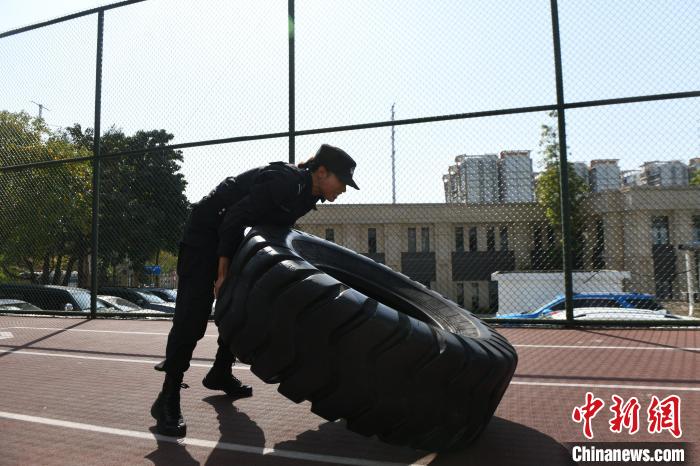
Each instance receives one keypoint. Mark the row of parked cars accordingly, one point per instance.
(600, 306)
(31, 297)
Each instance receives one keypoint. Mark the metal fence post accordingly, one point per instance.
(563, 170)
(291, 26)
(96, 167)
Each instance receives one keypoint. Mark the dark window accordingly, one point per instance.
(537, 238)
(599, 245)
(472, 239)
(57, 301)
(659, 230)
(459, 241)
(696, 227)
(493, 296)
(411, 240)
(491, 239)
(595, 302)
(475, 296)
(425, 239)
(504, 238)
(551, 237)
(372, 240)
(559, 306)
(460, 294)
(330, 234)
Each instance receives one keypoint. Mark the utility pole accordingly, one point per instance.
(393, 159)
(41, 107)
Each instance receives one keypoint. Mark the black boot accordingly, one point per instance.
(166, 409)
(223, 379)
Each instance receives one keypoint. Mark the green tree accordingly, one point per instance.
(46, 212)
(695, 178)
(44, 216)
(143, 207)
(549, 193)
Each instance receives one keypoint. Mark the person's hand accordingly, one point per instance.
(217, 285)
(222, 271)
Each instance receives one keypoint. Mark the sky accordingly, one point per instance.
(221, 70)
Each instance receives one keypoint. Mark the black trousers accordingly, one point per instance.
(197, 272)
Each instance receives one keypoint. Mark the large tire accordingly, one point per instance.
(361, 341)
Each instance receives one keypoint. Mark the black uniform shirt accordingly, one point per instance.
(276, 194)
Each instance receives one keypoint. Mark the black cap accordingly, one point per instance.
(338, 162)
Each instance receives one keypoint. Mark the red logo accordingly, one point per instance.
(587, 412)
(626, 415)
(665, 415)
(661, 415)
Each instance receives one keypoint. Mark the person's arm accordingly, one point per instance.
(265, 196)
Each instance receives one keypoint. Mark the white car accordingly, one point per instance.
(616, 313)
(16, 305)
(120, 304)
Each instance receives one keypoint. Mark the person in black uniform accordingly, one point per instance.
(278, 193)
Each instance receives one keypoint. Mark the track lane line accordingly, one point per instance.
(247, 368)
(121, 332)
(238, 366)
(587, 347)
(272, 452)
(536, 346)
(599, 385)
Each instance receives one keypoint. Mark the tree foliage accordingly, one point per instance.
(46, 212)
(548, 189)
(695, 178)
(143, 208)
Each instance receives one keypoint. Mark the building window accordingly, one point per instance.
(696, 227)
(659, 230)
(425, 239)
(460, 294)
(491, 239)
(504, 238)
(472, 239)
(551, 237)
(459, 241)
(475, 296)
(411, 240)
(330, 234)
(537, 238)
(372, 240)
(599, 245)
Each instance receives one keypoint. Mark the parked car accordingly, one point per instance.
(616, 313)
(625, 303)
(16, 305)
(166, 294)
(120, 304)
(140, 297)
(50, 297)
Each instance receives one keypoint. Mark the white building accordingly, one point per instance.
(632, 178)
(478, 177)
(605, 175)
(666, 174)
(515, 176)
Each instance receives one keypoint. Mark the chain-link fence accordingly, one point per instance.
(114, 121)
